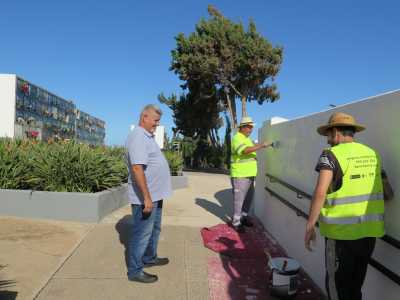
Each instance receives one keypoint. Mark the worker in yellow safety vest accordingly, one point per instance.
(348, 203)
(243, 173)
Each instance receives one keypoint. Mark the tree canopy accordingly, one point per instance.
(196, 115)
(234, 62)
(219, 63)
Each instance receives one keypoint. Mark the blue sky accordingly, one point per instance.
(112, 57)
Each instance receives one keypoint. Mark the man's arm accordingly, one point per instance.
(388, 193)
(141, 182)
(256, 147)
(317, 202)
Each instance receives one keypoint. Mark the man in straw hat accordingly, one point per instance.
(243, 172)
(348, 202)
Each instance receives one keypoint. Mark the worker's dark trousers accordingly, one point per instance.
(346, 266)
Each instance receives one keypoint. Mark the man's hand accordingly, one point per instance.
(148, 206)
(142, 183)
(267, 144)
(309, 236)
(317, 202)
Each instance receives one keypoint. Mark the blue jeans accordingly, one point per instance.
(144, 238)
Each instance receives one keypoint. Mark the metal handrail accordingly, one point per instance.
(289, 186)
(377, 265)
(300, 194)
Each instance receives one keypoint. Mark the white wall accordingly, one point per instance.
(159, 136)
(294, 162)
(7, 100)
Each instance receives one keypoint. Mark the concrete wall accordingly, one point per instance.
(179, 182)
(81, 207)
(159, 136)
(294, 162)
(7, 101)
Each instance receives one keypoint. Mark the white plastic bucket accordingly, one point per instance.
(283, 281)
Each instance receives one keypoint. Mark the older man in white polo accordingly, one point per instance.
(148, 184)
(243, 172)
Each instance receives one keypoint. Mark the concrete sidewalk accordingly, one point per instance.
(62, 260)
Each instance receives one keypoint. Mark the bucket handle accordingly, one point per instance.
(269, 259)
(272, 267)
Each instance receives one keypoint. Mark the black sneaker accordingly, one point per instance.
(246, 222)
(144, 278)
(160, 261)
(239, 228)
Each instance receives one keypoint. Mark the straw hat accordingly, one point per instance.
(246, 121)
(340, 119)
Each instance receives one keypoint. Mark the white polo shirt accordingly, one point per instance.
(142, 149)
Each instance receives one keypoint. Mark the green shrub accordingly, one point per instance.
(175, 162)
(69, 167)
(13, 165)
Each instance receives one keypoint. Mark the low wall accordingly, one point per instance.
(179, 182)
(80, 207)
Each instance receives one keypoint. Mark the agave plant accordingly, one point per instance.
(73, 167)
(69, 167)
(13, 169)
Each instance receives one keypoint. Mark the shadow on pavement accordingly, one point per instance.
(8, 295)
(225, 198)
(240, 271)
(123, 227)
(5, 294)
(213, 208)
(224, 209)
(250, 273)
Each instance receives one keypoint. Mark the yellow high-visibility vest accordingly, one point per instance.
(242, 165)
(355, 210)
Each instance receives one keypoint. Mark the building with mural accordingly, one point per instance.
(31, 112)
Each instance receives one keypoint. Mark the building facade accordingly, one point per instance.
(30, 111)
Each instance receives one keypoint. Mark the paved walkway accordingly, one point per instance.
(63, 260)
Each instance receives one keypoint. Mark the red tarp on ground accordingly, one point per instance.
(241, 271)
